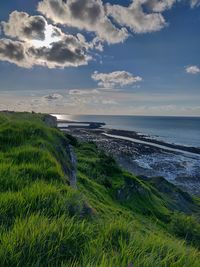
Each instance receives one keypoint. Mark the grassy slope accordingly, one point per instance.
(113, 219)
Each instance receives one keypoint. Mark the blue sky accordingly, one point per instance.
(156, 62)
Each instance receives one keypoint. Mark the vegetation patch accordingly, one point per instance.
(112, 219)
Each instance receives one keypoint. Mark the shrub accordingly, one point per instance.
(73, 141)
(107, 165)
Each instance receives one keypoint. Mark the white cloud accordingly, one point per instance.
(86, 15)
(162, 5)
(195, 3)
(135, 18)
(158, 5)
(116, 78)
(79, 92)
(193, 69)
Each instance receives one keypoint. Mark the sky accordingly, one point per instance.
(139, 57)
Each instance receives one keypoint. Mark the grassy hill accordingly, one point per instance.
(113, 219)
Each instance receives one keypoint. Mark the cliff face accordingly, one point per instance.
(49, 120)
(30, 147)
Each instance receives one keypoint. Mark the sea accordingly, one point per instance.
(177, 130)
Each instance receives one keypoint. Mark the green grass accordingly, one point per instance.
(114, 219)
(186, 227)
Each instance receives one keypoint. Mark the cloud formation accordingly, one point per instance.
(135, 18)
(14, 52)
(42, 44)
(35, 42)
(86, 15)
(195, 3)
(33, 30)
(24, 27)
(116, 78)
(67, 52)
(193, 69)
(158, 5)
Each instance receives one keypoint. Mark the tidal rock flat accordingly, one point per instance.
(147, 157)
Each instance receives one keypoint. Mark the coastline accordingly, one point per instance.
(143, 156)
(148, 139)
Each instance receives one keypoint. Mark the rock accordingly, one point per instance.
(51, 121)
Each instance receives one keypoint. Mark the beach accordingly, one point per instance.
(144, 156)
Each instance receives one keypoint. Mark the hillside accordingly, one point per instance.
(112, 219)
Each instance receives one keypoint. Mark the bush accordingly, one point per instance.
(73, 141)
(108, 165)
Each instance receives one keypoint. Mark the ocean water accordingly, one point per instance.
(177, 130)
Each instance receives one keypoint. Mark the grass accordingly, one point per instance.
(186, 227)
(114, 219)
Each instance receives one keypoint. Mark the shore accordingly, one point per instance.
(146, 157)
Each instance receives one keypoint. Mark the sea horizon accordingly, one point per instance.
(172, 129)
(124, 115)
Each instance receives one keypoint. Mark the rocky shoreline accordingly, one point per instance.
(147, 157)
(145, 138)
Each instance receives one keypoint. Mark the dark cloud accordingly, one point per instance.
(14, 52)
(67, 52)
(86, 10)
(35, 29)
(42, 44)
(57, 7)
(25, 27)
(53, 97)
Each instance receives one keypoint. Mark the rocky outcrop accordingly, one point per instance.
(51, 121)
(73, 170)
(177, 199)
